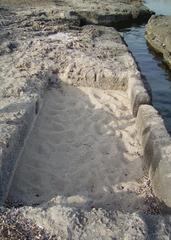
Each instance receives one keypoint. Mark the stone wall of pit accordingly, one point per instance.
(155, 140)
(150, 126)
(12, 140)
(156, 144)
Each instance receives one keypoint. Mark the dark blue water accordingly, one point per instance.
(156, 73)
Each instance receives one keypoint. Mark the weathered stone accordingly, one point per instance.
(156, 143)
(14, 127)
(93, 56)
(47, 51)
(110, 12)
(137, 93)
(43, 44)
(158, 35)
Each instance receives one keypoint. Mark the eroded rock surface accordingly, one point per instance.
(158, 34)
(83, 225)
(43, 47)
(110, 12)
(91, 56)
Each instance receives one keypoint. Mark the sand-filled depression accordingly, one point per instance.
(79, 174)
(83, 147)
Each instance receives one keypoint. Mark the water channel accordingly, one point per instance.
(153, 69)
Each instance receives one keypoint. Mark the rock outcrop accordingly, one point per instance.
(109, 13)
(44, 46)
(92, 56)
(158, 35)
(156, 144)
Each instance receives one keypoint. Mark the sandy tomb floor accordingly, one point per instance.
(83, 148)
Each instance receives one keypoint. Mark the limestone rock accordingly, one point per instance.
(156, 143)
(110, 12)
(158, 35)
(91, 56)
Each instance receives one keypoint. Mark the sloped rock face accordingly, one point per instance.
(158, 35)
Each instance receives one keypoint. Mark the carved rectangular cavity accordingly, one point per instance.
(83, 146)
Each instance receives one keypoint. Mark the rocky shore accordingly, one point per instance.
(72, 92)
(158, 35)
(109, 13)
(43, 46)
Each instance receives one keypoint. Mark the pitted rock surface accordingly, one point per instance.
(158, 35)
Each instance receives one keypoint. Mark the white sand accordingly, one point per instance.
(82, 152)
